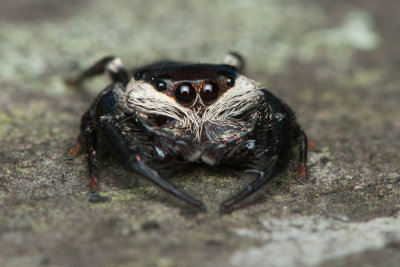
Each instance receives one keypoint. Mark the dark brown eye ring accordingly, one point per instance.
(185, 93)
(209, 92)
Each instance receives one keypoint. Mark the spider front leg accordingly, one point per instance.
(111, 65)
(132, 154)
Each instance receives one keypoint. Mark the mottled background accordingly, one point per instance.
(336, 63)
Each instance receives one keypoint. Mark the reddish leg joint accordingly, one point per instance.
(75, 150)
(302, 174)
(94, 185)
(311, 145)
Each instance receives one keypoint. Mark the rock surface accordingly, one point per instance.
(336, 63)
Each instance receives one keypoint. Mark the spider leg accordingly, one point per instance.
(91, 157)
(88, 138)
(236, 60)
(302, 169)
(87, 141)
(298, 134)
(111, 65)
(263, 177)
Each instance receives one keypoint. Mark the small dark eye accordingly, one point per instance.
(138, 75)
(209, 93)
(161, 86)
(185, 93)
(230, 81)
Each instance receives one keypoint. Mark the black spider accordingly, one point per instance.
(169, 115)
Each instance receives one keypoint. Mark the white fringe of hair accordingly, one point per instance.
(245, 95)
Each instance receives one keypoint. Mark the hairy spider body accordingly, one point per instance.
(170, 115)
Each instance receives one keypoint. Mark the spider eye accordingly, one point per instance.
(230, 81)
(161, 86)
(185, 93)
(209, 93)
(139, 75)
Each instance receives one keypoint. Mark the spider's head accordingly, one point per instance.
(183, 96)
(186, 83)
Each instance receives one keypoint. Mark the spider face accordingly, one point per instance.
(176, 114)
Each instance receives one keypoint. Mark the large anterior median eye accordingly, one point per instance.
(185, 93)
(209, 92)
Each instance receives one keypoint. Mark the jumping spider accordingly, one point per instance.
(170, 115)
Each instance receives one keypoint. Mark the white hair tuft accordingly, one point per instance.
(143, 97)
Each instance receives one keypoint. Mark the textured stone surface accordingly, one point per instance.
(336, 63)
